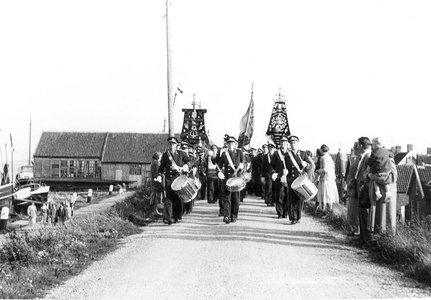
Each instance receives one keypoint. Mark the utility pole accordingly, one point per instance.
(170, 83)
(29, 146)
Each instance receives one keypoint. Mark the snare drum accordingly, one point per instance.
(304, 187)
(235, 184)
(185, 188)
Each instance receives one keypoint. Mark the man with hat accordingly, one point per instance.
(357, 181)
(295, 162)
(278, 176)
(172, 164)
(267, 158)
(232, 162)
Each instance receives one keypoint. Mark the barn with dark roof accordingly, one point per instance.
(74, 160)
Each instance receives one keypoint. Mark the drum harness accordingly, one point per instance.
(291, 158)
(231, 163)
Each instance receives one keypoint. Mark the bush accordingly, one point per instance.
(136, 208)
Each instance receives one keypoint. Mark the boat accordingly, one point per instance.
(25, 174)
(6, 192)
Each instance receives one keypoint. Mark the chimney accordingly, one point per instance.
(429, 151)
(397, 149)
(409, 147)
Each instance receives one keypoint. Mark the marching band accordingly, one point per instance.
(277, 175)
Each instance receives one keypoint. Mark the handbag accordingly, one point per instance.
(364, 196)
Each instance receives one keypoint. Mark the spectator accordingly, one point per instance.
(352, 193)
(44, 211)
(72, 202)
(327, 189)
(32, 214)
(61, 213)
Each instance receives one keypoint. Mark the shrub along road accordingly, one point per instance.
(258, 257)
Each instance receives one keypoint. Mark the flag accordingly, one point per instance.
(179, 89)
(246, 126)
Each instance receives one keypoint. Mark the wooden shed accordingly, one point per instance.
(79, 160)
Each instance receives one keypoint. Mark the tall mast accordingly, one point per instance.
(29, 146)
(170, 83)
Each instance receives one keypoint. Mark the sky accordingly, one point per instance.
(346, 68)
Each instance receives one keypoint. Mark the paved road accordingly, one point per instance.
(258, 257)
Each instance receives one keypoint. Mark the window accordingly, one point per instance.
(55, 168)
(90, 168)
(135, 169)
(73, 168)
(98, 171)
(147, 171)
(63, 168)
(81, 168)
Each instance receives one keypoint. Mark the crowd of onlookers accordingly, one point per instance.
(52, 212)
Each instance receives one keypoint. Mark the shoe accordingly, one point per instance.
(220, 215)
(226, 220)
(278, 217)
(175, 221)
(353, 234)
(168, 222)
(293, 222)
(233, 220)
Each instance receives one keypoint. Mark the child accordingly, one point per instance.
(379, 164)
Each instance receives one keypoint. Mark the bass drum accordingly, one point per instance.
(235, 184)
(185, 188)
(304, 187)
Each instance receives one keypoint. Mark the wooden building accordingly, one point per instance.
(80, 160)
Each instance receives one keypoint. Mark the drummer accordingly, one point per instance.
(232, 162)
(279, 172)
(297, 162)
(172, 164)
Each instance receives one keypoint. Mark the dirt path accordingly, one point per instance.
(258, 257)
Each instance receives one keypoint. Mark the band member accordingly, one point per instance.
(202, 173)
(247, 170)
(267, 158)
(297, 162)
(278, 176)
(213, 185)
(173, 163)
(232, 162)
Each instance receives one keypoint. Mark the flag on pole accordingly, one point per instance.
(11, 144)
(246, 126)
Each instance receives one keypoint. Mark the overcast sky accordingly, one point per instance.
(346, 68)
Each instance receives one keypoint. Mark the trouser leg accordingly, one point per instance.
(235, 199)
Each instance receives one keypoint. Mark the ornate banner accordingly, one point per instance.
(194, 126)
(278, 123)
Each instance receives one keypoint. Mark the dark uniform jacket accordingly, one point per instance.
(237, 158)
(266, 164)
(181, 158)
(277, 164)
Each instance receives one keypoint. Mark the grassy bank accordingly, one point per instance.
(408, 250)
(34, 261)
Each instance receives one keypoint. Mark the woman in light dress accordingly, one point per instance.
(327, 189)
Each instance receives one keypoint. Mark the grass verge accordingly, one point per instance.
(32, 262)
(408, 250)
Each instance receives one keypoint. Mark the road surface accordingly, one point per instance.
(258, 257)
